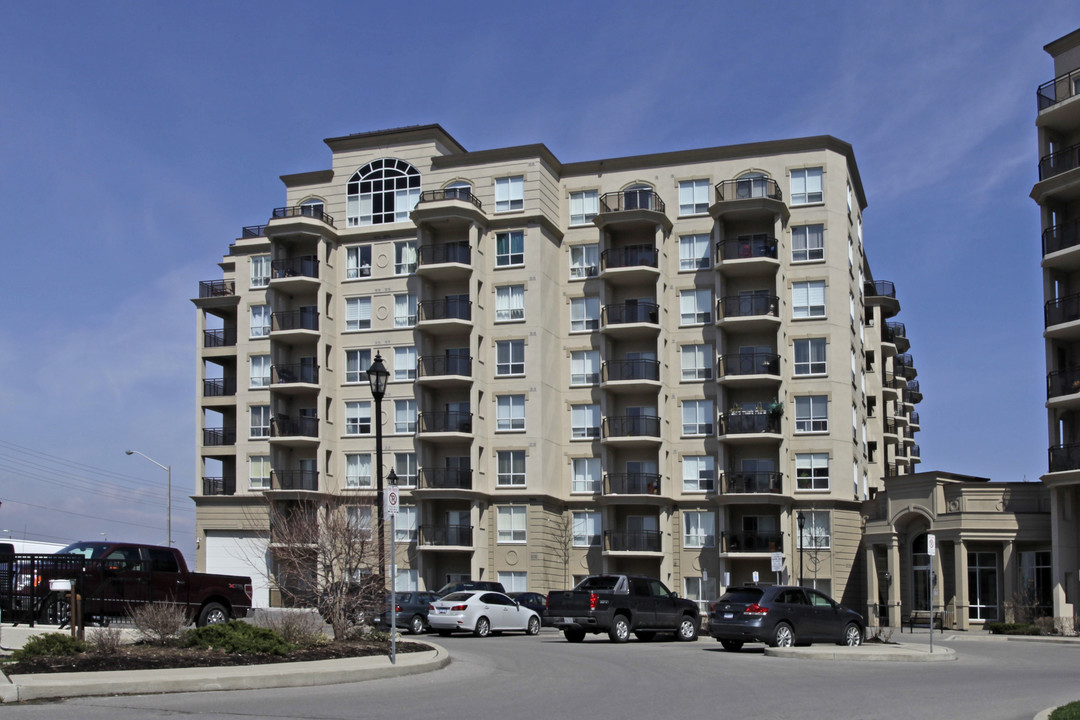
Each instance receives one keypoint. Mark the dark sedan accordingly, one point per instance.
(782, 616)
(531, 600)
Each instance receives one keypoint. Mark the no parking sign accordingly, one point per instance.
(391, 500)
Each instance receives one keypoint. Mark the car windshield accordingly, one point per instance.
(88, 550)
(458, 596)
(599, 582)
(743, 596)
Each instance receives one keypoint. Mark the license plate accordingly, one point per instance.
(729, 616)
(567, 620)
(440, 611)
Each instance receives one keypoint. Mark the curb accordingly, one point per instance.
(897, 653)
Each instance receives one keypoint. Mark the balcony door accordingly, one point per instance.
(760, 533)
(641, 531)
(458, 470)
(753, 302)
(639, 419)
(641, 477)
(639, 364)
(456, 523)
(457, 361)
(752, 359)
(308, 370)
(755, 474)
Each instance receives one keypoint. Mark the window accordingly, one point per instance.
(358, 418)
(815, 532)
(510, 357)
(509, 303)
(259, 472)
(699, 473)
(358, 520)
(695, 306)
(1035, 580)
(584, 421)
(586, 529)
(584, 314)
(405, 416)
(699, 529)
(513, 581)
(358, 262)
(808, 299)
(405, 525)
(810, 356)
(260, 271)
(260, 421)
(584, 260)
(701, 592)
(584, 206)
(357, 363)
(584, 367)
(405, 363)
(358, 470)
(405, 467)
(509, 248)
(260, 321)
(509, 193)
(407, 580)
(511, 468)
(806, 186)
(511, 523)
(510, 412)
(260, 371)
(697, 363)
(586, 475)
(812, 471)
(357, 313)
(383, 191)
(697, 417)
(404, 310)
(693, 197)
(405, 257)
(807, 243)
(812, 414)
(694, 252)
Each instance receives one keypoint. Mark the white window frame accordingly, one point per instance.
(808, 299)
(357, 362)
(817, 531)
(811, 414)
(811, 472)
(260, 321)
(697, 362)
(584, 261)
(586, 475)
(358, 417)
(587, 528)
(509, 303)
(515, 475)
(584, 206)
(510, 413)
(358, 471)
(512, 522)
(405, 416)
(509, 358)
(807, 243)
(259, 375)
(513, 255)
(407, 580)
(584, 314)
(357, 262)
(405, 309)
(693, 197)
(398, 183)
(405, 524)
(704, 522)
(405, 363)
(509, 193)
(358, 313)
(695, 252)
(584, 367)
(406, 468)
(585, 421)
(804, 352)
(260, 271)
(259, 472)
(807, 186)
(514, 580)
(695, 306)
(698, 417)
(404, 257)
(259, 425)
(699, 473)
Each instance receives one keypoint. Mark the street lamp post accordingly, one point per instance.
(168, 490)
(801, 520)
(377, 377)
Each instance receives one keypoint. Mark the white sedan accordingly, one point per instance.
(481, 612)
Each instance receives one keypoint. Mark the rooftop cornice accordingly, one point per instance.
(396, 136)
(1063, 44)
(314, 177)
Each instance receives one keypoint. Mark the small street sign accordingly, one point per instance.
(931, 544)
(391, 500)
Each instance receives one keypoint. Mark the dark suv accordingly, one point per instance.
(470, 585)
(782, 616)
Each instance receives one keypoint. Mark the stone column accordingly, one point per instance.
(1010, 582)
(872, 616)
(938, 594)
(894, 582)
(960, 580)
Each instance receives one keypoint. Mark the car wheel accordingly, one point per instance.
(444, 633)
(56, 610)
(483, 627)
(573, 635)
(645, 635)
(620, 629)
(416, 625)
(732, 645)
(688, 629)
(533, 627)
(853, 635)
(783, 636)
(213, 614)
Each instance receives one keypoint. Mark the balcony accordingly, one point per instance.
(446, 316)
(631, 375)
(220, 337)
(641, 541)
(911, 393)
(1062, 318)
(1059, 162)
(446, 536)
(445, 261)
(443, 370)
(252, 231)
(895, 333)
(1061, 246)
(295, 274)
(295, 326)
(294, 432)
(752, 483)
(749, 369)
(882, 293)
(913, 420)
(904, 365)
(450, 209)
(750, 426)
(217, 294)
(751, 542)
(219, 387)
(630, 264)
(756, 198)
(631, 429)
(915, 453)
(218, 486)
(294, 378)
(630, 319)
(1065, 458)
(748, 312)
(216, 437)
(747, 255)
(632, 484)
(295, 480)
(303, 222)
(445, 479)
(442, 426)
(632, 209)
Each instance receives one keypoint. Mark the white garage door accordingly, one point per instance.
(231, 553)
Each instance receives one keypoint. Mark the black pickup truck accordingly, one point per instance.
(619, 605)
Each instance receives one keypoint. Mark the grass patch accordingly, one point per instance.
(1067, 712)
(1004, 628)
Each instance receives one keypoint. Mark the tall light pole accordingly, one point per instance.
(801, 520)
(168, 489)
(377, 377)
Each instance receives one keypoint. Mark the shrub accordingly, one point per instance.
(1005, 628)
(370, 634)
(881, 633)
(297, 627)
(159, 622)
(49, 645)
(1067, 712)
(239, 637)
(106, 640)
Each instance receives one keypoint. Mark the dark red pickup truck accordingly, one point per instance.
(114, 579)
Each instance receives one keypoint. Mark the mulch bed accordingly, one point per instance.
(151, 657)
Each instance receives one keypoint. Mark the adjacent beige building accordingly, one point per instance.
(647, 364)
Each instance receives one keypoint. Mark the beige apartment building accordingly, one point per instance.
(1058, 194)
(650, 364)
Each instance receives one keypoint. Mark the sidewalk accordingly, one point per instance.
(871, 652)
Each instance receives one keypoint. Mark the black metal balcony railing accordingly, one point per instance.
(464, 194)
(631, 200)
(294, 320)
(437, 365)
(216, 288)
(1065, 457)
(294, 427)
(890, 426)
(1060, 237)
(445, 253)
(253, 231)
(912, 392)
(750, 364)
(1058, 162)
(734, 306)
(751, 542)
(452, 309)
(880, 288)
(631, 426)
(892, 470)
(441, 421)
(218, 486)
(748, 188)
(632, 484)
(740, 423)
(219, 387)
(311, 211)
(445, 478)
(915, 452)
(758, 246)
(630, 256)
(456, 535)
(739, 483)
(913, 418)
(1060, 88)
(1062, 310)
(219, 436)
(639, 541)
(1063, 382)
(306, 266)
(617, 370)
(639, 312)
(220, 337)
(894, 330)
(295, 480)
(294, 373)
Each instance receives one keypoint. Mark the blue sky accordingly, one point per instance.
(137, 138)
